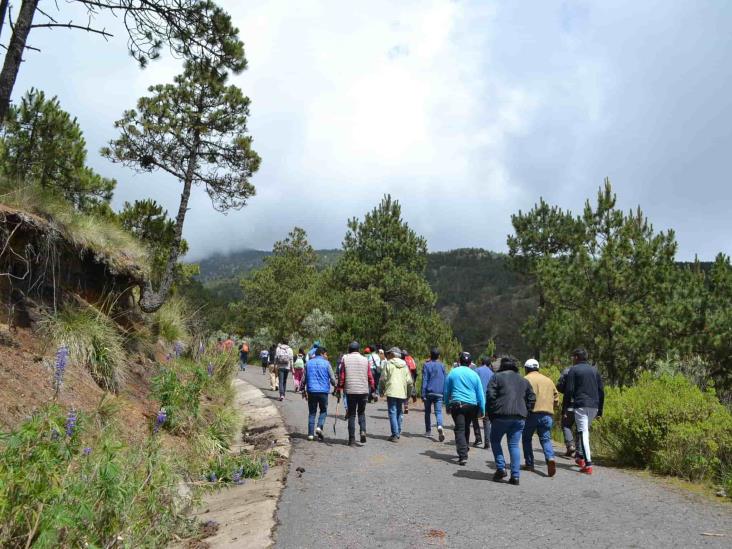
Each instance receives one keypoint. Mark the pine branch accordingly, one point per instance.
(71, 25)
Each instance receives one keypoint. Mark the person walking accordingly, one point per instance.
(298, 368)
(396, 385)
(586, 392)
(283, 364)
(243, 356)
(465, 400)
(541, 419)
(374, 365)
(412, 365)
(433, 389)
(273, 373)
(485, 373)
(567, 415)
(356, 382)
(317, 380)
(264, 359)
(510, 399)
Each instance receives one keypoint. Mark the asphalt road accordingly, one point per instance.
(413, 494)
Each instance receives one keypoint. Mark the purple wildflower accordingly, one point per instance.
(178, 349)
(87, 451)
(265, 466)
(60, 367)
(210, 369)
(236, 477)
(160, 420)
(201, 348)
(71, 423)
(212, 477)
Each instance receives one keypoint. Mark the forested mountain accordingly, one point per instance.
(477, 293)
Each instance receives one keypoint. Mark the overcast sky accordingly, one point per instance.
(465, 111)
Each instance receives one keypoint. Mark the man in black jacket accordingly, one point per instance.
(567, 415)
(584, 389)
(510, 399)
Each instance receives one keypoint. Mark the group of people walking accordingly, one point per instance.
(493, 404)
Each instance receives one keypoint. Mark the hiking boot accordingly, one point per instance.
(440, 433)
(499, 475)
(363, 438)
(527, 468)
(393, 438)
(311, 437)
(587, 470)
(580, 462)
(462, 461)
(551, 467)
(477, 444)
(414, 399)
(514, 481)
(352, 442)
(319, 433)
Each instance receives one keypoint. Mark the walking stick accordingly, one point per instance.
(335, 419)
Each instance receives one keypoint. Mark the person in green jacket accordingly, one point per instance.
(396, 384)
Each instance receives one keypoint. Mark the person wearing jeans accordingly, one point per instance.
(485, 373)
(510, 399)
(465, 401)
(283, 362)
(586, 393)
(395, 384)
(541, 419)
(317, 381)
(433, 388)
(356, 381)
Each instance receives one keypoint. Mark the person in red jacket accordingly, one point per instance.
(413, 372)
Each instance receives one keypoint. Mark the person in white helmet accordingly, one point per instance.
(541, 419)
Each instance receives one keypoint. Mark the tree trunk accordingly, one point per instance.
(14, 55)
(3, 13)
(151, 300)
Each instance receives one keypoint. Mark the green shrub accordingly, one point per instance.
(178, 388)
(81, 487)
(93, 342)
(170, 322)
(668, 424)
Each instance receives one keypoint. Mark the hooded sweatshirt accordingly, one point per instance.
(396, 381)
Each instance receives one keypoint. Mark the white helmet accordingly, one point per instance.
(531, 364)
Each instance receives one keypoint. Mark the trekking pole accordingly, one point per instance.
(335, 419)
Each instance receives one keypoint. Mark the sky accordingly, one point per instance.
(464, 111)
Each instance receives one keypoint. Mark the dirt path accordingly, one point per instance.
(413, 494)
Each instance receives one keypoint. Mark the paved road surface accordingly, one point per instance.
(413, 494)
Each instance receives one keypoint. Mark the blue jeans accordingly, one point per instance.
(315, 401)
(428, 402)
(283, 373)
(542, 424)
(512, 428)
(394, 406)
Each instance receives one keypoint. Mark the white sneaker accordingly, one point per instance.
(319, 433)
(440, 433)
(311, 437)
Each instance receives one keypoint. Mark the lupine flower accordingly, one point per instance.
(201, 348)
(265, 466)
(60, 367)
(87, 451)
(160, 420)
(210, 369)
(236, 477)
(212, 477)
(71, 423)
(178, 349)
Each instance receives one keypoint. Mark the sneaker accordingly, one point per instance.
(363, 438)
(514, 481)
(282, 398)
(527, 468)
(406, 410)
(580, 462)
(428, 434)
(319, 433)
(587, 470)
(462, 461)
(487, 446)
(352, 442)
(393, 438)
(376, 398)
(311, 437)
(477, 444)
(499, 475)
(551, 467)
(570, 451)
(440, 433)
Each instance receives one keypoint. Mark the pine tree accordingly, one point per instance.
(196, 130)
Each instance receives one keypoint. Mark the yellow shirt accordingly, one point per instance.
(547, 395)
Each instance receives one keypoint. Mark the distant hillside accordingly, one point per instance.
(476, 292)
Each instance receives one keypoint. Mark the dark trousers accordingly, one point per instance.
(463, 415)
(478, 430)
(356, 405)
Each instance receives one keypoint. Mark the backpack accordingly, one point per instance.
(282, 356)
(410, 363)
